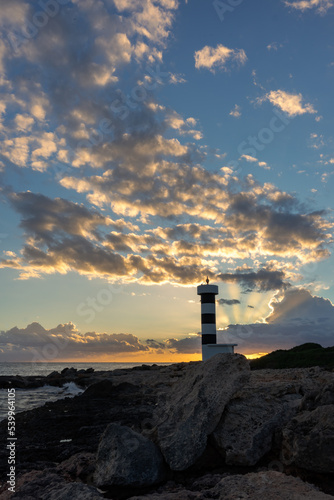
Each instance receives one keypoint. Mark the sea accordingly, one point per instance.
(27, 399)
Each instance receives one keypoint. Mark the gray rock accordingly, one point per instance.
(80, 466)
(246, 430)
(194, 407)
(50, 486)
(126, 458)
(308, 440)
(74, 491)
(268, 485)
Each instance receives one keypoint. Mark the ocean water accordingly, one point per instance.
(27, 399)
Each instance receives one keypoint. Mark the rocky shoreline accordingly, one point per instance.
(177, 432)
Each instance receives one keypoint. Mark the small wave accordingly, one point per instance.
(27, 399)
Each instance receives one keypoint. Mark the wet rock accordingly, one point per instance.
(54, 374)
(195, 405)
(69, 371)
(126, 458)
(308, 440)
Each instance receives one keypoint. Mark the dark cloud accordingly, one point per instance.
(297, 317)
(188, 345)
(228, 302)
(37, 344)
(263, 280)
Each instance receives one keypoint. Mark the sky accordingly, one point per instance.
(148, 145)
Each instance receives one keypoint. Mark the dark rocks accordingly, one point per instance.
(78, 467)
(246, 431)
(206, 417)
(50, 486)
(82, 377)
(69, 371)
(53, 374)
(195, 405)
(308, 440)
(126, 458)
(268, 485)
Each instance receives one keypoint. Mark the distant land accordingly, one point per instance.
(302, 356)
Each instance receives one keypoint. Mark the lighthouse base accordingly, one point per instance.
(209, 350)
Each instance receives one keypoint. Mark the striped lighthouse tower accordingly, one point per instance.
(208, 321)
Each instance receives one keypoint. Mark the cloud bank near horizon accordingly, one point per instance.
(296, 317)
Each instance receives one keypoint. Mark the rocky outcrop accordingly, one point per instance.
(126, 458)
(261, 408)
(308, 440)
(82, 378)
(78, 467)
(50, 486)
(204, 416)
(267, 485)
(195, 405)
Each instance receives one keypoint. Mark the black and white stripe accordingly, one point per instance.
(208, 313)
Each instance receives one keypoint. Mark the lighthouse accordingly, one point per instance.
(208, 322)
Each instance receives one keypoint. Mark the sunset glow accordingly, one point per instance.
(148, 145)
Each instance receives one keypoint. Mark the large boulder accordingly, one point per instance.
(194, 406)
(308, 440)
(246, 430)
(126, 458)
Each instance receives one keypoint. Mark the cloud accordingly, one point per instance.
(62, 236)
(153, 213)
(36, 344)
(175, 79)
(263, 280)
(252, 159)
(188, 345)
(248, 158)
(275, 46)
(296, 317)
(228, 302)
(321, 6)
(217, 58)
(298, 305)
(289, 103)
(236, 111)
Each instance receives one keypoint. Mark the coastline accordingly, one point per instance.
(197, 425)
